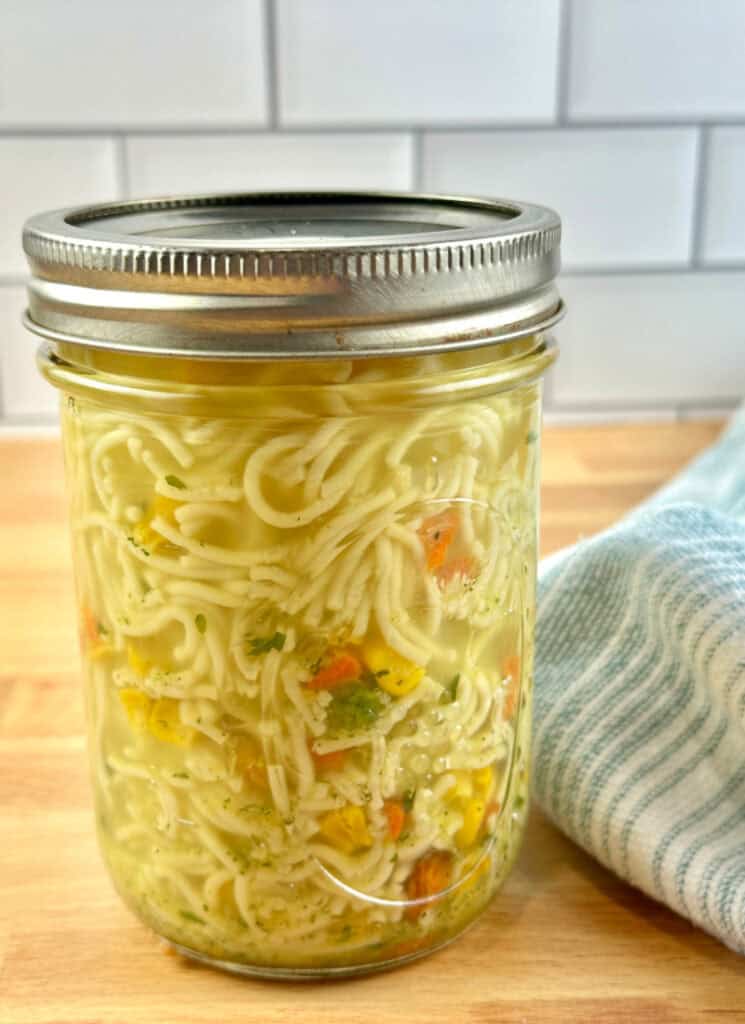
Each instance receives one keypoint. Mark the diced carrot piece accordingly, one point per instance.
(511, 666)
(493, 807)
(465, 567)
(331, 762)
(437, 534)
(89, 629)
(343, 668)
(396, 815)
(431, 874)
(407, 947)
(250, 762)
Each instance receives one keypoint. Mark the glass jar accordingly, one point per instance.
(301, 438)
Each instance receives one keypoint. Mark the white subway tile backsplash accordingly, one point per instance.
(159, 164)
(41, 174)
(723, 238)
(626, 138)
(625, 195)
(25, 394)
(358, 63)
(651, 339)
(139, 62)
(657, 58)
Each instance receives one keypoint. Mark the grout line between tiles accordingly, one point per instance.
(700, 195)
(417, 160)
(272, 63)
(122, 165)
(361, 128)
(563, 62)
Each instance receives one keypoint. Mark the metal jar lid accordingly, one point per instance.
(294, 275)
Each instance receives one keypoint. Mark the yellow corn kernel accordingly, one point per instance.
(165, 508)
(144, 534)
(398, 675)
(473, 815)
(98, 651)
(137, 705)
(139, 665)
(250, 763)
(483, 781)
(462, 788)
(346, 829)
(164, 722)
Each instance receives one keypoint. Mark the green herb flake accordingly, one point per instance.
(189, 916)
(408, 800)
(101, 629)
(264, 644)
(532, 437)
(174, 481)
(180, 775)
(200, 622)
(450, 691)
(354, 707)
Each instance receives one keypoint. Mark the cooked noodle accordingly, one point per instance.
(244, 805)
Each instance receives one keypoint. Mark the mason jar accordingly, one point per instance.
(301, 437)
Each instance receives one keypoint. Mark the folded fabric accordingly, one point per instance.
(640, 693)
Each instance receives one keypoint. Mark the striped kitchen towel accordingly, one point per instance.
(640, 693)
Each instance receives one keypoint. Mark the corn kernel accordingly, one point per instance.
(473, 815)
(144, 534)
(139, 665)
(395, 674)
(483, 781)
(462, 788)
(346, 829)
(164, 722)
(137, 705)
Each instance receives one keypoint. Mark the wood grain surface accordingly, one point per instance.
(564, 942)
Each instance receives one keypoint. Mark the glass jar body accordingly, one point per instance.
(307, 617)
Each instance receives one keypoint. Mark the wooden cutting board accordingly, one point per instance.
(565, 941)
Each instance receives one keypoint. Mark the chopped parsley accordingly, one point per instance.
(134, 544)
(408, 800)
(200, 622)
(176, 482)
(354, 706)
(264, 644)
(532, 437)
(189, 916)
(180, 775)
(450, 691)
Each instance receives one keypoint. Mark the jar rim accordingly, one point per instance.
(294, 275)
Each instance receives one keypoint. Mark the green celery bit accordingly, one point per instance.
(264, 644)
(354, 707)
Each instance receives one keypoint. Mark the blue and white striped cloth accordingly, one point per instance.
(640, 693)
